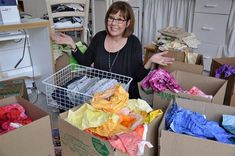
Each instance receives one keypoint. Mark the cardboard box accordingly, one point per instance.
(218, 62)
(179, 63)
(15, 87)
(33, 139)
(61, 62)
(75, 142)
(174, 144)
(232, 102)
(209, 85)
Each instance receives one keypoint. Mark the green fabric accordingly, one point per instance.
(82, 47)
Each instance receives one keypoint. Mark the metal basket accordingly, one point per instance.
(56, 94)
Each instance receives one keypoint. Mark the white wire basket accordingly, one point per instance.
(56, 93)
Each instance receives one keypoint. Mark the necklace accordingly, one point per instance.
(111, 65)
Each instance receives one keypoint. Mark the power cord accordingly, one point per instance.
(26, 41)
(35, 89)
(21, 59)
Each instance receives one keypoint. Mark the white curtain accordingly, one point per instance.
(229, 49)
(162, 13)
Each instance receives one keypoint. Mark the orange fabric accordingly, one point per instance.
(126, 120)
(109, 129)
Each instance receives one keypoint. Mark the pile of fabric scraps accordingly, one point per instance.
(168, 43)
(12, 116)
(115, 118)
(184, 121)
(225, 71)
(175, 38)
(160, 80)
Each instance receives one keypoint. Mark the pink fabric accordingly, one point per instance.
(197, 92)
(13, 113)
(128, 142)
(160, 80)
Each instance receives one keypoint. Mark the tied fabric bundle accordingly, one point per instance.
(226, 70)
(160, 80)
(184, 121)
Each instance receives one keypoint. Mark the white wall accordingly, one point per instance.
(35, 7)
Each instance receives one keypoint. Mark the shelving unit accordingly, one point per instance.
(38, 60)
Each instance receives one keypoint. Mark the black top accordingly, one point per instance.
(128, 62)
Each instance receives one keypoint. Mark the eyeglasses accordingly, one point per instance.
(118, 20)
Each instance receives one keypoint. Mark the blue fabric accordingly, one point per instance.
(184, 121)
(229, 123)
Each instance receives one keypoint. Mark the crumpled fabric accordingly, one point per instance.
(128, 142)
(111, 100)
(87, 116)
(12, 116)
(184, 121)
(160, 80)
(229, 123)
(109, 129)
(152, 115)
(139, 104)
(225, 71)
(197, 92)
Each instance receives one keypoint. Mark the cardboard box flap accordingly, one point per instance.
(179, 56)
(184, 67)
(220, 93)
(184, 145)
(204, 83)
(75, 145)
(31, 110)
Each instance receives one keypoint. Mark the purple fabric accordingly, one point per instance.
(225, 69)
(160, 80)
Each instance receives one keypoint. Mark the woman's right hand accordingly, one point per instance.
(63, 39)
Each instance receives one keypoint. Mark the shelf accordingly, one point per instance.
(26, 72)
(12, 37)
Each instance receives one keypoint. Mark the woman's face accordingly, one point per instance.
(116, 24)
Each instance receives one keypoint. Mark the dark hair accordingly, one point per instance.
(126, 11)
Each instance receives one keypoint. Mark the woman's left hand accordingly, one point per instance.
(159, 58)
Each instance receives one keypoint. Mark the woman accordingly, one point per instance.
(116, 49)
